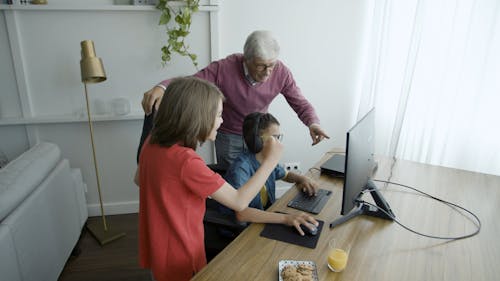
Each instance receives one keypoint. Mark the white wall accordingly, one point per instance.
(49, 84)
(320, 41)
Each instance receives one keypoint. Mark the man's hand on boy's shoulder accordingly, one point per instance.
(152, 98)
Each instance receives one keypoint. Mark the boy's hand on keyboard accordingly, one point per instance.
(297, 219)
(307, 186)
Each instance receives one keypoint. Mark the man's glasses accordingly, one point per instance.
(263, 67)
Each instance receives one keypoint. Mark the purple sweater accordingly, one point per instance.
(242, 98)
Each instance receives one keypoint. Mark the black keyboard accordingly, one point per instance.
(310, 204)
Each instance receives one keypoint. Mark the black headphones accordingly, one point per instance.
(254, 141)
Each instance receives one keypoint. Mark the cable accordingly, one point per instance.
(391, 169)
(326, 153)
(432, 197)
(314, 168)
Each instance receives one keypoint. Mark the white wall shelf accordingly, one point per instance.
(68, 119)
(48, 7)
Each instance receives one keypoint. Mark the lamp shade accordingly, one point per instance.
(91, 66)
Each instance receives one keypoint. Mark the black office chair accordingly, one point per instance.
(220, 228)
(214, 221)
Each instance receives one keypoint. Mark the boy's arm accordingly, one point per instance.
(302, 182)
(260, 216)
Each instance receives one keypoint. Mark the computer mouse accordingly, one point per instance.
(309, 231)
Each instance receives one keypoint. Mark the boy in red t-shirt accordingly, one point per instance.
(175, 181)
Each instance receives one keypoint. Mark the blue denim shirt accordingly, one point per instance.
(242, 169)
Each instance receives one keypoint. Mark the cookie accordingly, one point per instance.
(307, 278)
(295, 277)
(304, 272)
(304, 266)
(288, 271)
(301, 272)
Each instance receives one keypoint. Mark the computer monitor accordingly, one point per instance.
(359, 168)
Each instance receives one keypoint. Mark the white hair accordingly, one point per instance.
(261, 44)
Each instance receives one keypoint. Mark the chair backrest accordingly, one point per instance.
(147, 126)
(220, 228)
(214, 216)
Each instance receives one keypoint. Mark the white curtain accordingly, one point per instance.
(432, 70)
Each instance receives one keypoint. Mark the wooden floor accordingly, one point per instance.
(117, 260)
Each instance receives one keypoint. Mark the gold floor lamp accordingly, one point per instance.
(92, 71)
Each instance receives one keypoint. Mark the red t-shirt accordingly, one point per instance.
(174, 183)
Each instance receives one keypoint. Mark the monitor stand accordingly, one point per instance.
(366, 209)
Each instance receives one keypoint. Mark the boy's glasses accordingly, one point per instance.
(278, 137)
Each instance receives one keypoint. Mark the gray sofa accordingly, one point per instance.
(42, 212)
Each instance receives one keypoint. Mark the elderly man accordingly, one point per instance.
(249, 81)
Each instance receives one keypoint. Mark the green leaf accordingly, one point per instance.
(166, 55)
(182, 33)
(179, 19)
(172, 33)
(177, 29)
(172, 39)
(161, 4)
(165, 17)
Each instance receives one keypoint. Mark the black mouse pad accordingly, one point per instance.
(289, 234)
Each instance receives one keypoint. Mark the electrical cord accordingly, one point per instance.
(326, 153)
(314, 168)
(478, 225)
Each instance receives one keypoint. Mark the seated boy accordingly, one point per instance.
(256, 127)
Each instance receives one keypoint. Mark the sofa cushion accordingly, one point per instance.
(22, 175)
(46, 225)
(9, 268)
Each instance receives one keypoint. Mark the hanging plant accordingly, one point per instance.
(181, 12)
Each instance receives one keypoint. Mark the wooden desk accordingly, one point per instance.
(383, 250)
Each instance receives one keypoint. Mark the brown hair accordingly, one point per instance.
(187, 112)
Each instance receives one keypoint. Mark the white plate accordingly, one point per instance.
(284, 263)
